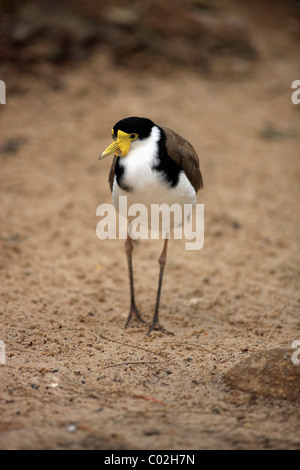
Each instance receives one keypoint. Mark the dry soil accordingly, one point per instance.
(74, 378)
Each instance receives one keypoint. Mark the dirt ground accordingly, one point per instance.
(74, 378)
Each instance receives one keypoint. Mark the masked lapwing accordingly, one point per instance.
(152, 165)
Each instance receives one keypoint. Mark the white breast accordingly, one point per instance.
(139, 160)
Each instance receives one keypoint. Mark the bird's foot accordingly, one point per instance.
(155, 325)
(134, 312)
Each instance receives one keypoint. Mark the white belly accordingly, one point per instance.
(149, 188)
(159, 207)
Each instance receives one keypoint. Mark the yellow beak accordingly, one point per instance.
(119, 147)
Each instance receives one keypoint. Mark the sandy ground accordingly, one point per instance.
(74, 378)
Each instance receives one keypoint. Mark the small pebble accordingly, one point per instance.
(72, 427)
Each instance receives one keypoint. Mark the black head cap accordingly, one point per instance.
(135, 125)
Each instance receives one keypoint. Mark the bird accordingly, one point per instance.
(151, 164)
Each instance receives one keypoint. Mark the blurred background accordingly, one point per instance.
(223, 38)
(220, 74)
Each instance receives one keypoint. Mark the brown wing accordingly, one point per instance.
(183, 153)
(112, 172)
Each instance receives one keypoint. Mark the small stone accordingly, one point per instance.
(270, 374)
(193, 301)
(216, 410)
(151, 432)
(71, 427)
(12, 145)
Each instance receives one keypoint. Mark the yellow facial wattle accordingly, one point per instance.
(121, 145)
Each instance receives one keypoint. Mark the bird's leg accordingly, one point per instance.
(162, 262)
(133, 310)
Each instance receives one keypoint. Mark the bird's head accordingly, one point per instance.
(125, 133)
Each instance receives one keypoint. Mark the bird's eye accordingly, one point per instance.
(133, 136)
